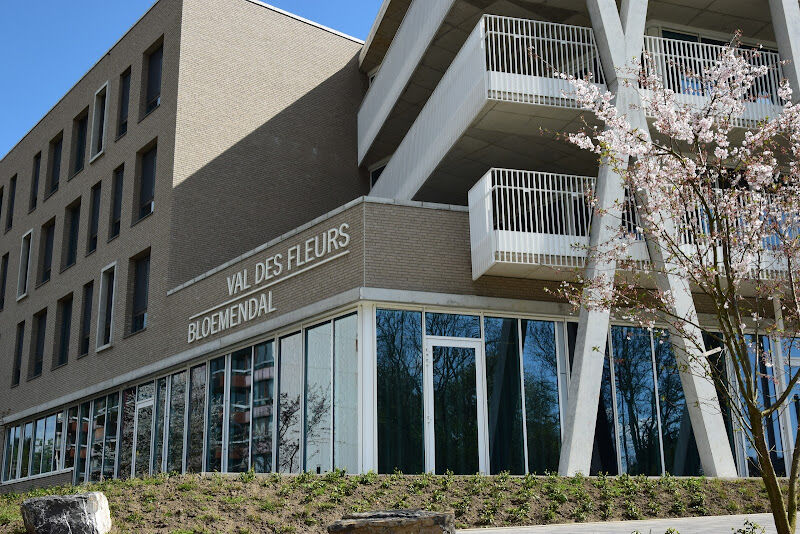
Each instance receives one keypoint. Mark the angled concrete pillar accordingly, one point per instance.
(786, 25)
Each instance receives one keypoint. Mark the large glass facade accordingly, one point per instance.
(126, 433)
(216, 412)
(263, 397)
(84, 424)
(159, 424)
(318, 415)
(290, 404)
(38, 446)
(112, 427)
(345, 393)
(177, 418)
(239, 411)
(197, 405)
(97, 439)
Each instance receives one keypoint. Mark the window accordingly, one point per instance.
(54, 162)
(94, 218)
(290, 429)
(37, 344)
(24, 265)
(152, 90)
(99, 121)
(12, 193)
(86, 317)
(196, 410)
(18, 346)
(141, 277)
(80, 126)
(64, 320)
(3, 279)
(116, 202)
(105, 319)
(124, 97)
(147, 181)
(72, 222)
(37, 166)
(46, 250)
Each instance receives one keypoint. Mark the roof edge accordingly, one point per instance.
(307, 21)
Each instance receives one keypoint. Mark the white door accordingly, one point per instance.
(455, 406)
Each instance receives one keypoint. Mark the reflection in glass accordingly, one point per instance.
(542, 417)
(455, 410)
(239, 418)
(399, 375)
(96, 436)
(318, 402)
(144, 429)
(15, 439)
(197, 403)
(345, 383)
(452, 325)
(72, 436)
(83, 443)
(38, 444)
(158, 429)
(263, 392)
(57, 454)
(112, 422)
(7, 454)
(49, 443)
(177, 416)
(636, 401)
(504, 398)
(681, 457)
(791, 356)
(216, 399)
(145, 391)
(289, 404)
(126, 432)
(604, 452)
(717, 361)
(27, 437)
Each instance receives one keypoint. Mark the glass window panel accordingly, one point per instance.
(504, 398)
(177, 418)
(263, 393)
(58, 434)
(27, 438)
(681, 457)
(399, 375)
(455, 410)
(318, 401)
(15, 451)
(98, 439)
(38, 446)
(72, 437)
(451, 325)
(345, 393)
(636, 401)
(7, 453)
(112, 422)
(542, 416)
(604, 451)
(791, 358)
(145, 391)
(289, 405)
(83, 443)
(760, 352)
(239, 418)
(144, 431)
(158, 433)
(216, 412)
(126, 432)
(720, 374)
(194, 436)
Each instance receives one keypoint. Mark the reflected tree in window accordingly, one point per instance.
(455, 406)
(126, 432)
(216, 406)
(177, 417)
(197, 402)
(263, 395)
(452, 325)
(290, 404)
(318, 402)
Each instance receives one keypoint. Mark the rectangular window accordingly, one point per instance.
(124, 97)
(99, 121)
(54, 163)
(80, 126)
(57, 449)
(158, 425)
(46, 238)
(18, 345)
(110, 448)
(3, 279)
(345, 393)
(72, 222)
(105, 319)
(239, 411)
(126, 432)
(71, 438)
(141, 278)
(83, 445)
(38, 446)
(12, 193)
(264, 380)
(116, 202)
(194, 434)
(64, 319)
(24, 265)
(96, 437)
(39, 335)
(216, 410)
(25, 460)
(318, 399)
(177, 418)
(152, 92)
(37, 167)
(290, 430)
(86, 317)
(147, 183)
(94, 218)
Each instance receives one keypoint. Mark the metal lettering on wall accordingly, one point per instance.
(248, 288)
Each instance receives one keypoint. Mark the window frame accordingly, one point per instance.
(47, 239)
(102, 308)
(70, 241)
(99, 123)
(11, 202)
(23, 288)
(134, 312)
(61, 345)
(77, 164)
(93, 230)
(38, 337)
(54, 164)
(150, 104)
(36, 175)
(85, 329)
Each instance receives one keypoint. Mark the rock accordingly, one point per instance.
(86, 513)
(396, 522)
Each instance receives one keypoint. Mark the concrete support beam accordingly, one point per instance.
(786, 24)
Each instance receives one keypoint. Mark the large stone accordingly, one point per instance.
(86, 513)
(396, 522)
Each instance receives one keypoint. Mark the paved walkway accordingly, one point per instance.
(688, 525)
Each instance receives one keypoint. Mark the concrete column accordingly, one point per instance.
(786, 25)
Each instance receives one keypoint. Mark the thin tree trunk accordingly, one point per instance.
(771, 483)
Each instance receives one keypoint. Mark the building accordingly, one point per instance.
(243, 240)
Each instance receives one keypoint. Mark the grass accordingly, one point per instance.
(193, 504)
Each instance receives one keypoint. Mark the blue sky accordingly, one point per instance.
(48, 45)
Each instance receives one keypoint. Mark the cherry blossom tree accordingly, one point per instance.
(717, 196)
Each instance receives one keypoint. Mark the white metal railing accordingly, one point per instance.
(681, 65)
(522, 54)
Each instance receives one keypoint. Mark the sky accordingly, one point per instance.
(49, 45)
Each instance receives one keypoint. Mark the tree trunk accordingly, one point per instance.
(771, 483)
